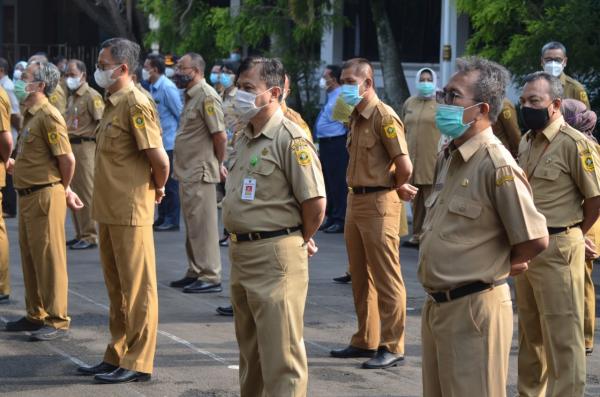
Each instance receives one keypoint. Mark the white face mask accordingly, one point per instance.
(104, 77)
(17, 74)
(169, 72)
(554, 68)
(322, 83)
(145, 75)
(245, 106)
(73, 83)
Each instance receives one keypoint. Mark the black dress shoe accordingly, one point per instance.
(383, 359)
(345, 279)
(102, 368)
(166, 227)
(352, 352)
(72, 242)
(183, 282)
(83, 245)
(224, 241)
(4, 299)
(334, 229)
(122, 375)
(202, 287)
(225, 311)
(589, 351)
(326, 224)
(23, 324)
(48, 333)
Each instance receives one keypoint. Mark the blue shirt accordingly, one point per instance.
(169, 106)
(326, 127)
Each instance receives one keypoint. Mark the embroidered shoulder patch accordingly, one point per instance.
(303, 156)
(583, 96)
(138, 121)
(389, 129)
(502, 180)
(209, 107)
(588, 162)
(506, 114)
(98, 103)
(53, 137)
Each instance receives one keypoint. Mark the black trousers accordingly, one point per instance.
(169, 208)
(9, 197)
(334, 160)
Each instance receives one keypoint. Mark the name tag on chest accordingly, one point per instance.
(248, 189)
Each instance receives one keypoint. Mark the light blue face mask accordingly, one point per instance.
(425, 88)
(226, 80)
(449, 120)
(214, 78)
(350, 94)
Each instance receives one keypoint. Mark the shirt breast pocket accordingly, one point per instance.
(267, 179)
(461, 224)
(547, 173)
(367, 140)
(109, 137)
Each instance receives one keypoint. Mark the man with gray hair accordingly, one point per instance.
(481, 225)
(561, 166)
(43, 170)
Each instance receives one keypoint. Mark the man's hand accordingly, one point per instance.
(518, 268)
(223, 172)
(590, 249)
(407, 192)
(159, 194)
(73, 200)
(311, 247)
(10, 165)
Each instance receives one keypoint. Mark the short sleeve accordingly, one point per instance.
(5, 111)
(303, 170)
(96, 107)
(516, 209)
(585, 171)
(56, 135)
(508, 118)
(582, 96)
(392, 136)
(213, 115)
(145, 127)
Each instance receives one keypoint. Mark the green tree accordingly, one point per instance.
(513, 32)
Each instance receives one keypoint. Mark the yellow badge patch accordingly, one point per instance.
(209, 108)
(502, 180)
(506, 114)
(98, 103)
(588, 162)
(390, 131)
(303, 156)
(53, 98)
(138, 121)
(583, 96)
(53, 137)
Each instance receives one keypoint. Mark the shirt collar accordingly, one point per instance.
(195, 89)
(158, 83)
(367, 112)
(269, 129)
(81, 90)
(470, 147)
(34, 109)
(116, 97)
(552, 129)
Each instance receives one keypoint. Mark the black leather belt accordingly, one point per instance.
(29, 190)
(459, 292)
(331, 138)
(239, 237)
(556, 230)
(367, 189)
(79, 139)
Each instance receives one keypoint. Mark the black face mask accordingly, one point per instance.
(535, 119)
(181, 80)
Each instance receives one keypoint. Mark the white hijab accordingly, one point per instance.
(433, 74)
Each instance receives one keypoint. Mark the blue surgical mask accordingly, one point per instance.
(350, 94)
(449, 120)
(425, 88)
(226, 80)
(214, 78)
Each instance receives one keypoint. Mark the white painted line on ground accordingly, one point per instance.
(236, 367)
(174, 338)
(66, 355)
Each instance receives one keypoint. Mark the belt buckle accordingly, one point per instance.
(350, 189)
(447, 293)
(233, 237)
(254, 236)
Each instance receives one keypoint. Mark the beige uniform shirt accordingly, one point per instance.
(58, 98)
(84, 110)
(43, 137)
(286, 171)
(5, 111)
(506, 128)
(418, 115)
(560, 163)
(481, 205)
(573, 89)
(375, 138)
(294, 116)
(123, 185)
(194, 155)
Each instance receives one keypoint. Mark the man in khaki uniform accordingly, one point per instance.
(291, 114)
(43, 170)
(506, 128)
(84, 111)
(378, 165)
(561, 166)
(554, 60)
(5, 151)
(422, 136)
(131, 169)
(199, 153)
(274, 204)
(481, 225)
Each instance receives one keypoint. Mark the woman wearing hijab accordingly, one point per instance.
(579, 117)
(418, 115)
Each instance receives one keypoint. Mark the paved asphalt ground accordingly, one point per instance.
(197, 353)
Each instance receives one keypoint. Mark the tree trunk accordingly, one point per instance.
(106, 14)
(394, 82)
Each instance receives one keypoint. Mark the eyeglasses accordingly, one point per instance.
(178, 68)
(556, 59)
(448, 97)
(103, 67)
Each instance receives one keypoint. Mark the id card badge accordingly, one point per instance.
(248, 189)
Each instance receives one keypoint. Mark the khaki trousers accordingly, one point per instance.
(83, 185)
(269, 282)
(589, 316)
(419, 211)
(43, 256)
(128, 262)
(372, 239)
(550, 307)
(199, 206)
(466, 345)
(4, 266)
